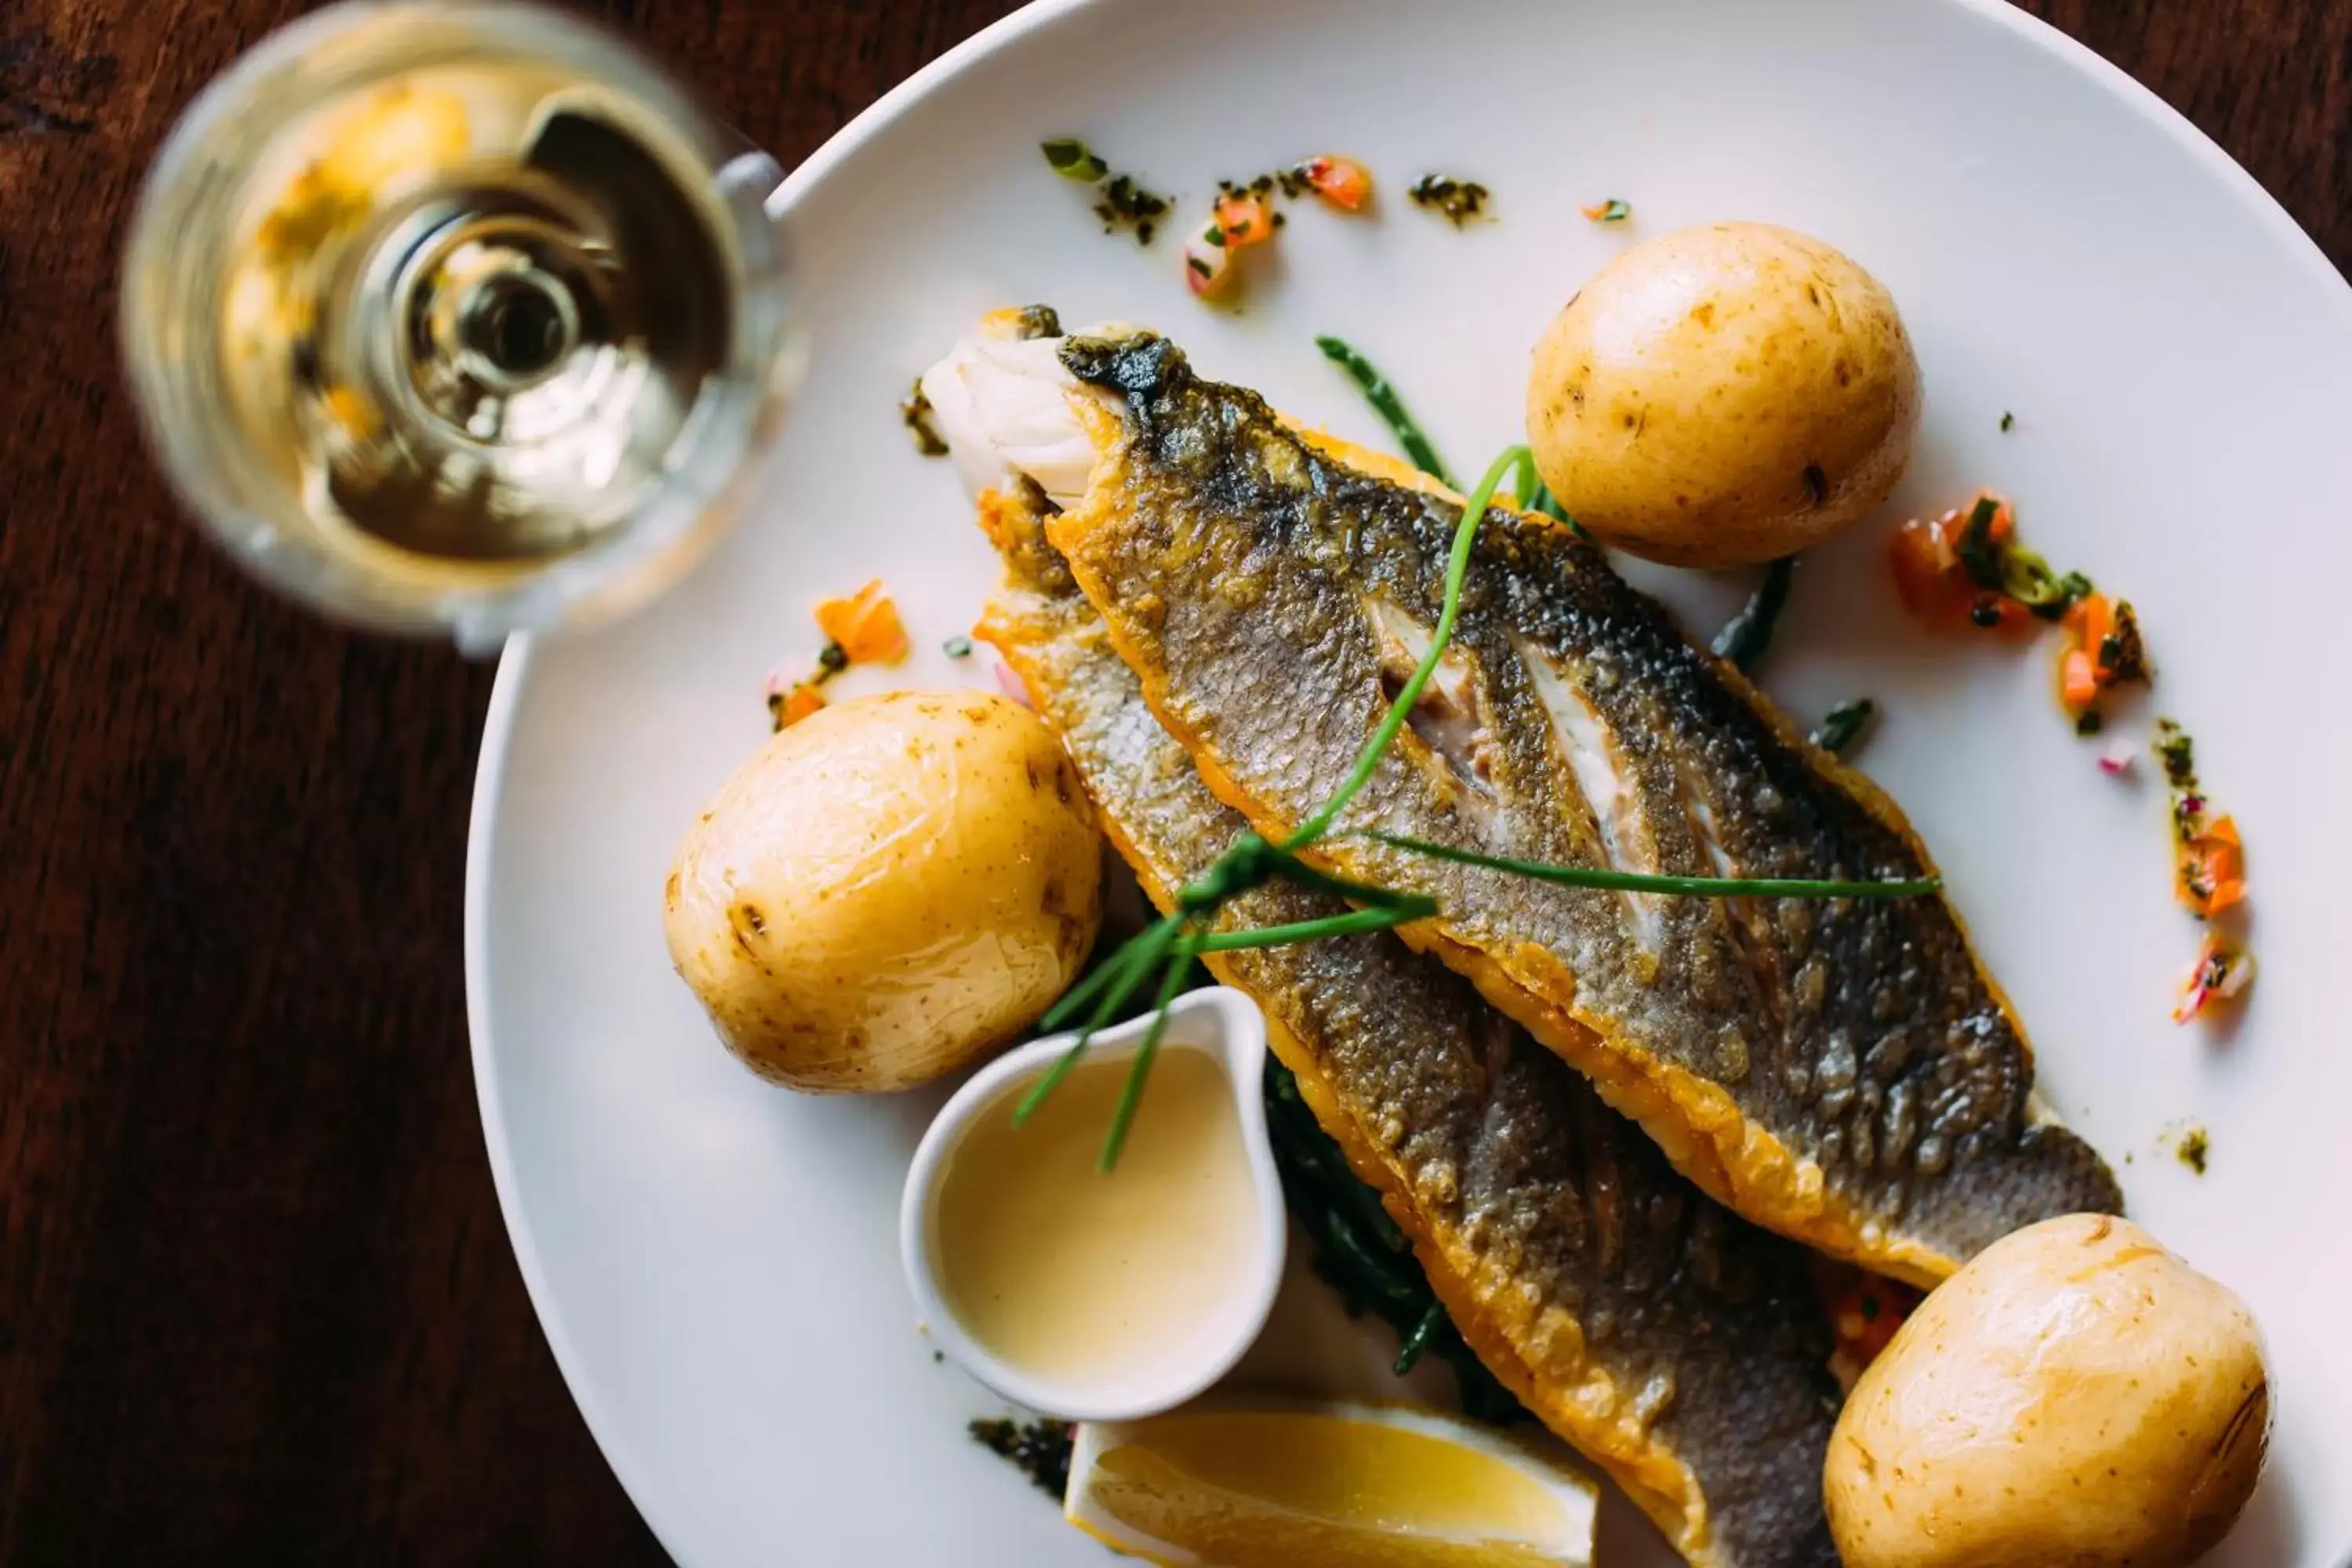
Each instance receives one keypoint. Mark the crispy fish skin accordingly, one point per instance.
(1844, 1072)
(1679, 1348)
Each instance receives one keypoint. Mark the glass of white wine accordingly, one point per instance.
(458, 319)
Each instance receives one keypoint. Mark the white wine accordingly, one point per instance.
(456, 317)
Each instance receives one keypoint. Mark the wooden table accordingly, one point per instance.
(256, 1302)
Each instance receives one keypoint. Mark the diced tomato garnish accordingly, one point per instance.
(2089, 621)
(2092, 619)
(1208, 262)
(1344, 183)
(1920, 562)
(2078, 679)
(2210, 871)
(2103, 650)
(866, 625)
(2221, 974)
(2005, 518)
(1245, 219)
(1865, 1319)
(791, 706)
(1934, 582)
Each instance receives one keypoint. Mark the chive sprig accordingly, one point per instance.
(1169, 946)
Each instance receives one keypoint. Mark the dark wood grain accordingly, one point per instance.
(255, 1303)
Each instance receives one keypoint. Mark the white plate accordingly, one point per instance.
(714, 1260)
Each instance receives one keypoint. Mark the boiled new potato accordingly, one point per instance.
(2076, 1395)
(1724, 394)
(892, 888)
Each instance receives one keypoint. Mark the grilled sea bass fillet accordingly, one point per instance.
(1679, 1348)
(1842, 1072)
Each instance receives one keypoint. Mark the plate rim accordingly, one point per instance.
(515, 662)
(520, 652)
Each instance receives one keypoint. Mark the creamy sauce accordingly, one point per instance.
(1078, 1276)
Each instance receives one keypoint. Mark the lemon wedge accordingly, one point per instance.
(1325, 1486)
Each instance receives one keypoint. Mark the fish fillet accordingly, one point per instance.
(1679, 1348)
(1844, 1072)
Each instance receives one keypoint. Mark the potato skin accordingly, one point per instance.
(889, 889)
(2076, 1397)
(1724, 394)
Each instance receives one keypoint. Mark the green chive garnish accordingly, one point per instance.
(1170, 943)
(1457, 568)
(1070, 159)
(1844, 725)
(1132, 962)
(1387, 405)
(1647, 882)
(1350, 924)
(1130, 1093)
(1747, 635)
(1975, 548)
